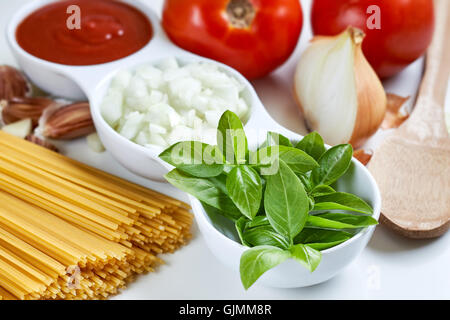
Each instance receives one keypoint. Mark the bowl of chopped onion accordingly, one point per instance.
(139, 111)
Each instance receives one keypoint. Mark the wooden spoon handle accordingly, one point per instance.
(428, 120)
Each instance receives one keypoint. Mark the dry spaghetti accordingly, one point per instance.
(70, 231)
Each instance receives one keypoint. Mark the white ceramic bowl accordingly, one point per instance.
(79, 82)
(144, 161)
(222, 239)
(73, 82)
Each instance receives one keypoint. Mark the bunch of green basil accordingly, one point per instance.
(280, 213)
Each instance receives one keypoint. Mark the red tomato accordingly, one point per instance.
(406, 28)
(252, 36)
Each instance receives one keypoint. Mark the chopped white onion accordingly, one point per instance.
(156, 106)
(132, 125)
(153, 127)
(212, 117)
(121, 80)
(112, 107)
(153, 76)
(157, 139)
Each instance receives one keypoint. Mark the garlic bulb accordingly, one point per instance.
(339, 93)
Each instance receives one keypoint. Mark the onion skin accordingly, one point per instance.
(367, 122)
(364, 107)
(363, 155)
(394, 117)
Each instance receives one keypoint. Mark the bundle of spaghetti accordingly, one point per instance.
(108, 205)
(73, 215)
(37, 249)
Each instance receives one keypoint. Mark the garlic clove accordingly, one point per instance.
(338, 91)
(18, 108)
(67, 122)
(13, 83)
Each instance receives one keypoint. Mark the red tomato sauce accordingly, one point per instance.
(110, 30)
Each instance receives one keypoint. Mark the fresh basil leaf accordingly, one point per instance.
(212, 191)
(276, 139)
(227, 168)
(286, 202)
(262, 210)
(306, 255)
(333, 164)
(313, 145)
(342, 201)
(321, 190)
(202, 170)
(196, 158)
(296, 159)
(231, 139)
(265, 235)
(256, 261)
(240, 228)
(245, 189)
(221, 220)
(220, 182)
(258, 221)
(318, 222)
(329, 221)
(320, 235)
(311, 202)
(306, 181)
(358, 221)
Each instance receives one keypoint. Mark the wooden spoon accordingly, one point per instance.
(412, 167)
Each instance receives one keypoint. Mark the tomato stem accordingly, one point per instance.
(240, 13)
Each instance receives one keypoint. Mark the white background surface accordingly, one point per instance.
(391, 267)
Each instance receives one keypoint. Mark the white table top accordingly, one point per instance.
(391, 267)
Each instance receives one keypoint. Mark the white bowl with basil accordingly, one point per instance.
(286, 213)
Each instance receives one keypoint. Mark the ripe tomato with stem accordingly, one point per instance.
(253, 36)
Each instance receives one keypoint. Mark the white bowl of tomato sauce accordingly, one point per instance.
(53, 40)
